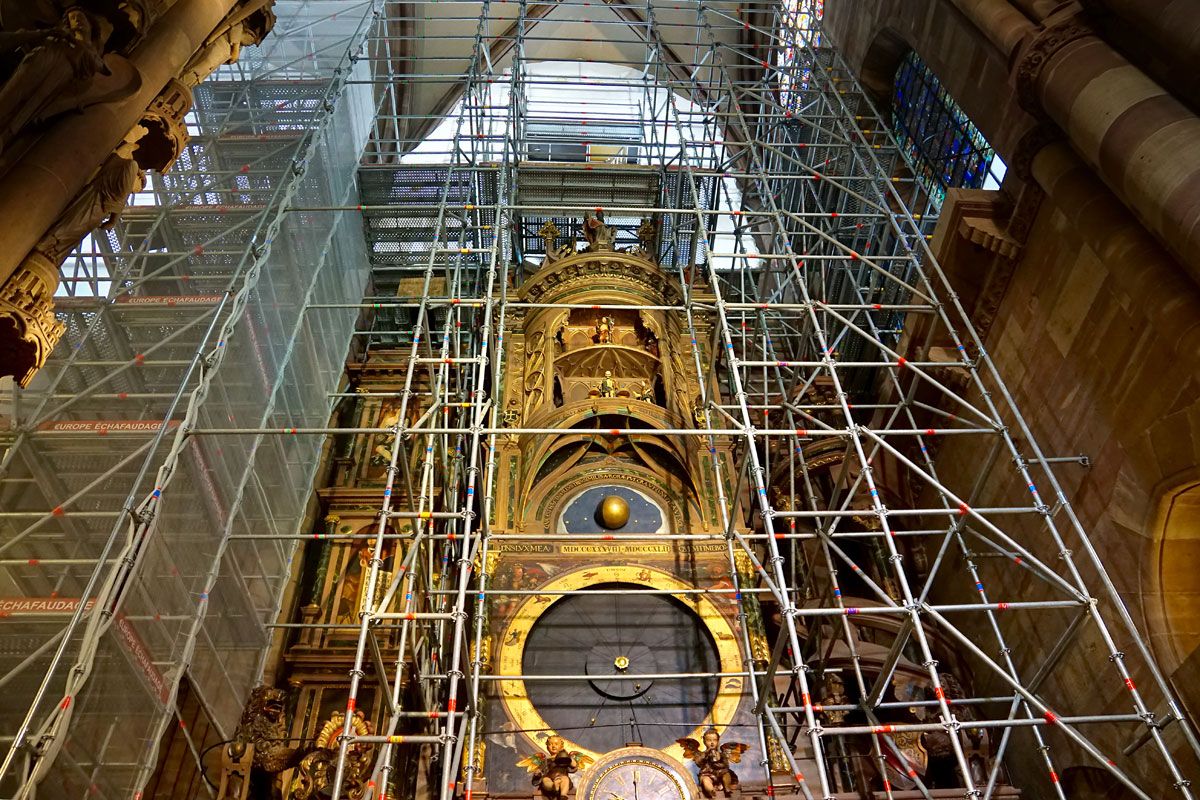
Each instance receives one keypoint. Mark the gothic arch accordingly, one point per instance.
(1174, 599)
(887, 49)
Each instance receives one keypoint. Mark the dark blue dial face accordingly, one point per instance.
(582, 515)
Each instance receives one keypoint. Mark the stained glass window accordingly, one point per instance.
(947, 149)
(801, 31)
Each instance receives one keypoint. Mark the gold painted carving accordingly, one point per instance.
(28, 329)
(316, 770)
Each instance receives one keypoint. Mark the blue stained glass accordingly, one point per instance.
(946, 148)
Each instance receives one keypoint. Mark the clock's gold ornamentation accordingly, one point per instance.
(835, 695)
(552, 770)
(614, 512)
(714, 758)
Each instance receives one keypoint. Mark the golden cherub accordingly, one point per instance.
(714, 760)
(552, 770)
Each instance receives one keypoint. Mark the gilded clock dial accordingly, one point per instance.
(637, 779)
(637, 773)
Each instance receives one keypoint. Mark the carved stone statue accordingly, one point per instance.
(99, 204)
(70, 55)
(647, 234)
(608, 386)
(716, 775)
(246, 25)
(28, 329)
(599, 235)
(552, 770)
(260, 743)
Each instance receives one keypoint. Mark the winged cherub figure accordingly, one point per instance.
(714, 760)
(552, 770)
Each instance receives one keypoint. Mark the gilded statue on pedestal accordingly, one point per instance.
(605, 328)
(716, 775)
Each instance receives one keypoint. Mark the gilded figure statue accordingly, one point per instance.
(552, 770)
(608, 386)
(645, 393)
(647, 234)
(714, 759)
(315, 772)
(835, 695)
(605, 329)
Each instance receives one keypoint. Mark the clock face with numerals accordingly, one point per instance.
(637, 773)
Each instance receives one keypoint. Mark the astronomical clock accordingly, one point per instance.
(596, 604)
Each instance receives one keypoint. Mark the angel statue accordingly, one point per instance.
(714, 760)
(552, 770)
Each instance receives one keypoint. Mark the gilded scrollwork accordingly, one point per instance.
(316, 770)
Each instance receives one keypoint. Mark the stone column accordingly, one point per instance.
(1141, 141)
(54, 170)
(1172, 25)
(1003, 25)
(1120, 241)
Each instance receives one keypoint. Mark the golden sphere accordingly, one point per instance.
(621, 663)
(614, 512)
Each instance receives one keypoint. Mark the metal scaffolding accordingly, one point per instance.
(154, 492)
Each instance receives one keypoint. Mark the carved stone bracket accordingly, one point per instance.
(28, 329)
(166, 134)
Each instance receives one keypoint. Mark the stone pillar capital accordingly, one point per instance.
(1033, 56)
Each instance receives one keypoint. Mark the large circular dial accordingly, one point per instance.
(600, 667)
(613, 635)
(637, 773)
